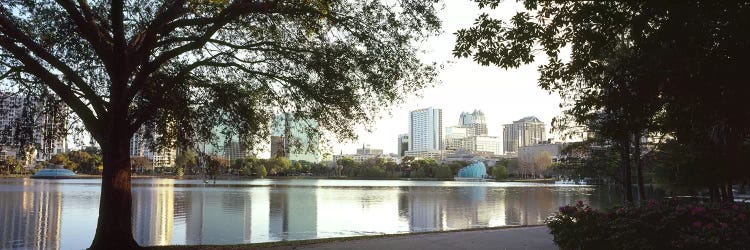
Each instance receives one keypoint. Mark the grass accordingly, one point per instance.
(298, 243)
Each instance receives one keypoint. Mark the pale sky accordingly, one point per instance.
(503, 95)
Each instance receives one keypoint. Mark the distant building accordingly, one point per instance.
(474, 122)
(24, 122)
(403, 144)
(525, 132)
(426, 130)
(455, 137)
(485, 144)
(236, 150)
(368, 150)
(295, 139)
(159, 157)
(438, 155)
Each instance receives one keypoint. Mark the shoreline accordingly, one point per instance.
(294, 244)
(230, 177)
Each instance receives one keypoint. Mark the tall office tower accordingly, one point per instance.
(426, 130)
(455, 137)
(291, 137)
(403, 144)
(525, 132)
(33, 126)
(474, 123)
(159, 157)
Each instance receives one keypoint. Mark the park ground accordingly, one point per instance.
(527, 237)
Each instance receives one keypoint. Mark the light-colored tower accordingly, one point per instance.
(474, 122)
(426, 130)
(524, 132)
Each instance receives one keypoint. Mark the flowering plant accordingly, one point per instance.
(653, 225)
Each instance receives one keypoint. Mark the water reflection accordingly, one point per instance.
(153, 215)
(185, 212)
(30, 216)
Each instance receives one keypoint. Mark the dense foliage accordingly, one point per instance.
(187, 68)
(632, 68)
(670, 224)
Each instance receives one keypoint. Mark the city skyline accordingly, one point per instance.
(503, 95)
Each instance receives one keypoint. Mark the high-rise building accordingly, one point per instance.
(295, 139)
(236, 150)
(403, 144)
(426, 130)
(159, 157)
(524, 132)
(455, 137)
(485, 144)
(32, 125)
(474, 123)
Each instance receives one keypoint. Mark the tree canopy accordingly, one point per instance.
(187, 68)
(624, 68)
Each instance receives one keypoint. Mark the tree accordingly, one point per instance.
(186, 159)
(183, 67)
(500, 172)
(141, 163)
(11, 165)
(83, 160)
(628, 73)
(62, 159)
(261, 171)
(542, 161)
(443, 172)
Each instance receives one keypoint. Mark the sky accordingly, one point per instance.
(503, 95)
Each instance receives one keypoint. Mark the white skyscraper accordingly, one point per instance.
(426, 130)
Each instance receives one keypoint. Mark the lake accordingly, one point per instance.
(62, 214)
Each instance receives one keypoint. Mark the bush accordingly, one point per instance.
(500, 172)
(666, 225)
(443, 172)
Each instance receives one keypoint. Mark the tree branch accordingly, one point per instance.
(144, 42)
(54, 83)
(13, 32)
(235, 9)
(97, 37)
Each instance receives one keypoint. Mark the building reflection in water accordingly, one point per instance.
(257, 214)
(31, 211)
(153, 214)
(30, 218)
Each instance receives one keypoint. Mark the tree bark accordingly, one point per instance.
(114, 229)
(626, 176)
(639, 166)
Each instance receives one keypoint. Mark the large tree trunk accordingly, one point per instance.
(114, 229)
(639, 166)
(626, 178)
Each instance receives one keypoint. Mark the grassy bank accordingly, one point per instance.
(298, 243)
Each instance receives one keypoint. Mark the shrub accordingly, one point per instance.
(666, 225)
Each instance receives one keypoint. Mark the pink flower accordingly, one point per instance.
(579, 203)
(741, 216)
(697, 210)
(620, 210)
(697, 224)
(710, 225)
(723, 225)
(735, 207)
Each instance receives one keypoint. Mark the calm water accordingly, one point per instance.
(62, 214)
